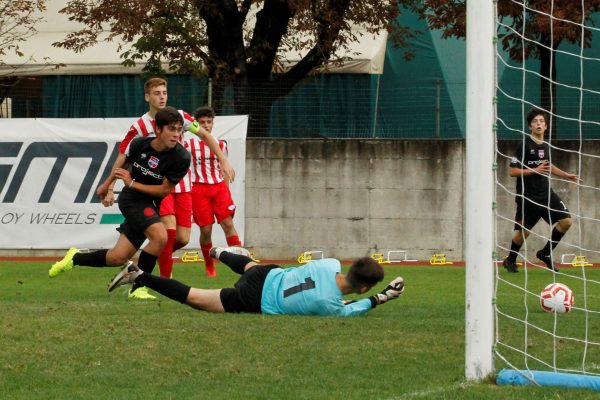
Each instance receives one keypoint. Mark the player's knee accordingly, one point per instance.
(183, 235)
(183, 240)
(206, 230)
(158, 239)
(116, 258)
(566, 223)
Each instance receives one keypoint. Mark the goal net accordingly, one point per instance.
(544, 60)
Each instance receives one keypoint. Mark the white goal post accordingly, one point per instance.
(479, 189)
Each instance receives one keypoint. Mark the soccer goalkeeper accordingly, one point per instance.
(312, 289)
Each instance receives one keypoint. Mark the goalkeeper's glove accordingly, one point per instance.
(392, 291)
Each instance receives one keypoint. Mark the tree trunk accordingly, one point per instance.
(547, 81)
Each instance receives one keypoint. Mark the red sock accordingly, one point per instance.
(234, 240)
(209, 263)
(165, 259)
(177, 245)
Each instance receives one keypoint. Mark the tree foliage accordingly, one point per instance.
(239, 43)
(17, 23)
(532, 29)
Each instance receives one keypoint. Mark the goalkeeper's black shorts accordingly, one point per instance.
(247, 293)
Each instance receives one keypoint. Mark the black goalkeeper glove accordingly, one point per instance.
(392, 291)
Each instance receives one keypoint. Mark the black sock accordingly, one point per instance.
(554, 239)
(147, 262)
(514, 251)
(170, 288)
(93, 259)
(236, 262)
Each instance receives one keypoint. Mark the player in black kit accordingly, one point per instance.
(535, 199)
(155, 166)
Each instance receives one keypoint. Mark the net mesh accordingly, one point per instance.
(526, 337)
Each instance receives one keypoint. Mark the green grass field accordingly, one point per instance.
(68, 338)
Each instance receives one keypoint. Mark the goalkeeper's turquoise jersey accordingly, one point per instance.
(308, 290)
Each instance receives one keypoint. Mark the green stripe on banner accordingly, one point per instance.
(112, 219)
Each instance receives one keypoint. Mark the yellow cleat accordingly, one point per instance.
(141, 293)
(66, 264)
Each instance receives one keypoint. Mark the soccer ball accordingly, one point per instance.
(557, 298)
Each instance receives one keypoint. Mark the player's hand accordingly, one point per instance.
(197, 129)
(543, 168)
(109, 199)
(124, 175)
(574, 178)
(101, 191)
(228, 171)
(392, 291)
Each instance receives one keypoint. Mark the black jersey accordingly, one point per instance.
(536, 185)
(151, 167)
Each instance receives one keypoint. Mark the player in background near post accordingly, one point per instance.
(312, 289)
(155, 165)
(211, 196)
(176, 209)
(535, 198)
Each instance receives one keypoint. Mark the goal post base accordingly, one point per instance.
(544, 378)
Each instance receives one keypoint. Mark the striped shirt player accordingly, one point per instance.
(211, 197)
(316, 288)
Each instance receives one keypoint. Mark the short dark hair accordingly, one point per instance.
(363, 272)
(167, 116)
(534, 112)
(204, 111)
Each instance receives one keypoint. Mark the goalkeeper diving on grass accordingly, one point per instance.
(312, 289)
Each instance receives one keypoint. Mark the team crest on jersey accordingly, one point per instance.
(153, 162)
(541, 153)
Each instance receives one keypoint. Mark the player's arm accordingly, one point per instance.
(357, 307)
(567, 175)
(105, 192)
(352, 308)
(159, 191)
(213, 145)
(517, 172)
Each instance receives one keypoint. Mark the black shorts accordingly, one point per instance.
(140, 213)
(528, 213)
(246, 294)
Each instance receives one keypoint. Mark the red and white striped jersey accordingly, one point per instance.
(144, 126)
(205, 164)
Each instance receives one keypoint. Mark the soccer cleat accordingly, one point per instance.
(128, 273)
(211, 271)
(510, 266)
(215, 252)
(141, 293)
(546, 259)
(65, 264)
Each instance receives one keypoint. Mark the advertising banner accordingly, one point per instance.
(50, 169)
